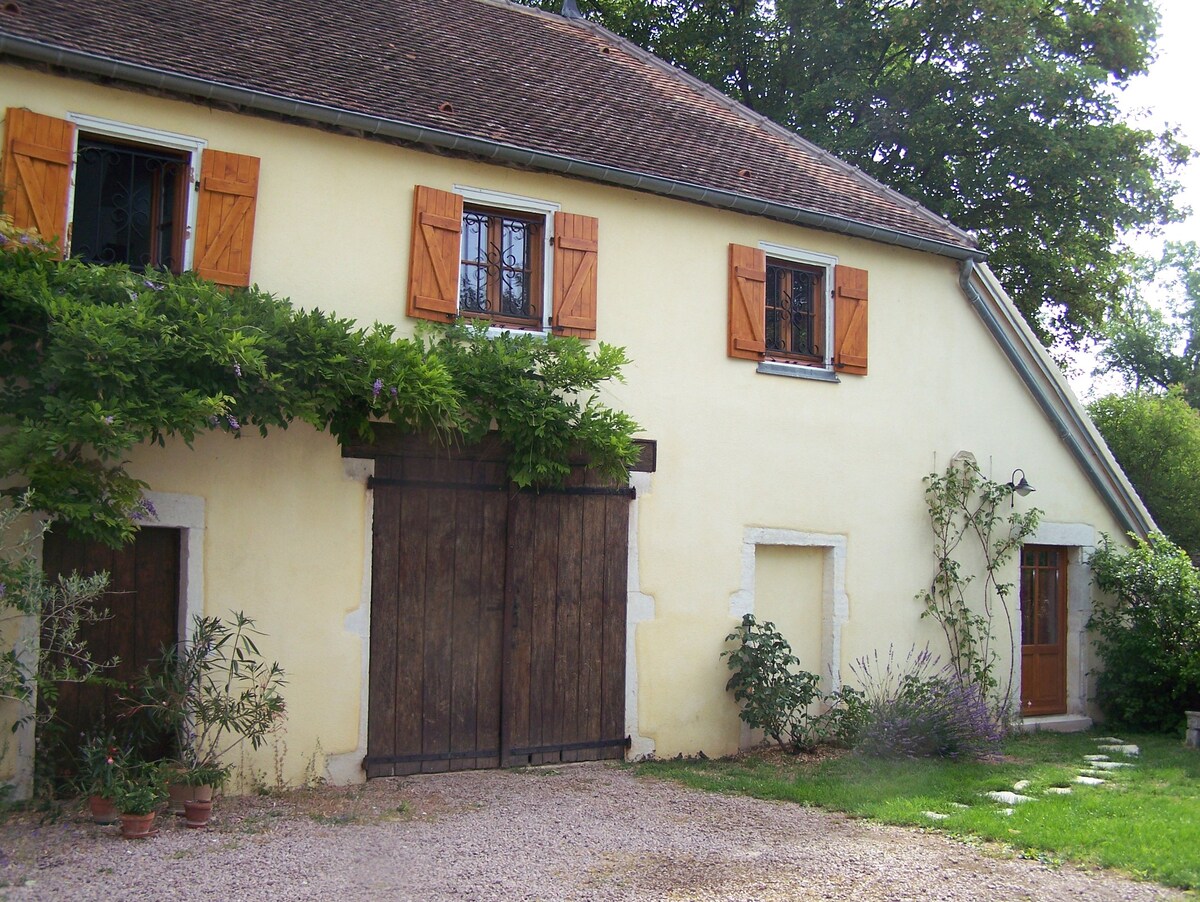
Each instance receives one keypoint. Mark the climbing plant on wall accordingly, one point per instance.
(976, 533)
(95, 360)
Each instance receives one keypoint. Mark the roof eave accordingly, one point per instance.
(1055, 398)
(28, 50)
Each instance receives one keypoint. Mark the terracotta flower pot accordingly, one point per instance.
(180, 793)
(104, 811)
(197, 812)
(137, 826)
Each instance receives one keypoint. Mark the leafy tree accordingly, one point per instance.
(1155, 345)
(1156, 439)
(999, 114)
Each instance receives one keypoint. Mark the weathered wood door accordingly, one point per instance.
(497, 618)
(143, 603)
(1043, 630)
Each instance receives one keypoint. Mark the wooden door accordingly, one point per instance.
(497, 618)
(1043, 630)
(143, 603)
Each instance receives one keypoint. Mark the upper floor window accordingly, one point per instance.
(781, 309)
(795, 311)
(517, 262)
(130, 204)
(500, 273)
(113, 192)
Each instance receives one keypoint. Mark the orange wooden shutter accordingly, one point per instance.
(225, 217)
(576, 240)
(433, 264)
(37, 172)
(850, 320)
(747, 302)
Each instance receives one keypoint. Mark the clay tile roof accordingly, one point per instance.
(488, 70)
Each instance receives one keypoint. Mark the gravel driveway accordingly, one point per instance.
(589, 831)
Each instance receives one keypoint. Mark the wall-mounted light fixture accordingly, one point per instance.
(1018, 486)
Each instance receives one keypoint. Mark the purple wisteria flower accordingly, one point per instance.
(3, 589)
(108, 420)
(143, 510)
(376, 387)
(237, 369)
(156, 286)
(3, 239)
(212, 421)
(233, 423)
(395, 392)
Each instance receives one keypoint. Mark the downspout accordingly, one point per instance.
(409, 133)
(1060, 410)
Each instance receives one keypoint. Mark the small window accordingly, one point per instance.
(501, 266)
(795, 314)
(516, 262)
(130, 204)
(798, 313)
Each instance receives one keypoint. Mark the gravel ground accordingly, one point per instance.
(589, 831)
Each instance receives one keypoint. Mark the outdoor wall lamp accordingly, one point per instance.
(1018, 487)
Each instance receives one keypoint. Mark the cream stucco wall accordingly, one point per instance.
(287, 529)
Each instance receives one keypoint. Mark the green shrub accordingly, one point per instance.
(1149, 639)
(914, 709)
(778, 698)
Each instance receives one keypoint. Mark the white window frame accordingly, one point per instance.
(501, 200)
(153, 137)
(827, 264)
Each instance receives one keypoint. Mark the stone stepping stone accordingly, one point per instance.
(935, 815)
(1109, 739)
(1129, 750)
(1095, 758)
(958, 805)
(1060, 790)
(1009, 798)
(1020, 786)
(1110, 765)
(1089, 781)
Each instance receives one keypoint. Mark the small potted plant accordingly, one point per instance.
(195, 787)
(101, 770)
(138, 795)
(211, 692)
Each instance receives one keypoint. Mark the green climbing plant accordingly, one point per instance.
(976, 532)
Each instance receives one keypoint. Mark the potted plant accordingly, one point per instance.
(211, 692)
(137, 795)
(102, 767)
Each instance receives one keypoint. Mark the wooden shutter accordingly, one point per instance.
(747, 302)
(37, 172)
(433, 263)
(850, 320)
(225, 217)
(575, 245)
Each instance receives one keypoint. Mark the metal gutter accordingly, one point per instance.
(1061, 408)
(323, 114)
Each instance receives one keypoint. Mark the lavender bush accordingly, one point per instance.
(916, 709)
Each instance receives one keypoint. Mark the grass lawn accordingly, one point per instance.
(1145, 821)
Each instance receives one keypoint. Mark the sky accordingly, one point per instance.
(1168, 94)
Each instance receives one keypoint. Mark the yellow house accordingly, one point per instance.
(807, 345)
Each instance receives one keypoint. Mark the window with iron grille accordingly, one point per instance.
(130, 204)
(501, 267)
(795, 310)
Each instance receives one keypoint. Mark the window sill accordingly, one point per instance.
(797, 371)
(497, 331)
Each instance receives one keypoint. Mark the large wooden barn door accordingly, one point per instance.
(143, 603)
(497, 618)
